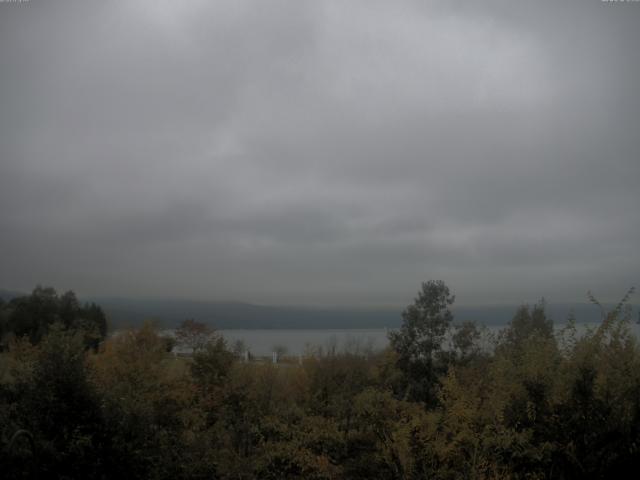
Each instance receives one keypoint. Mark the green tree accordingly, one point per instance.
(55, 402)
(526, 322)
(33, 315)
(211, 364)
(465, 342)
(419, 342)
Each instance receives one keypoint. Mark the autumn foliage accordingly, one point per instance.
(443, 401)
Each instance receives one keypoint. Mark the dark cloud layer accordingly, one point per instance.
(320, 152)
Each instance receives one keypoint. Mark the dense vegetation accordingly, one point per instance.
(437, 403)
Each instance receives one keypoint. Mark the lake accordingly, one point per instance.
(300, 342)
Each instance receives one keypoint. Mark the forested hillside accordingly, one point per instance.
(537, 404)
(233, 315)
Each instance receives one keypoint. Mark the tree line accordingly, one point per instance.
(443, 401)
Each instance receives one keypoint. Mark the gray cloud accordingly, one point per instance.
(320, 152)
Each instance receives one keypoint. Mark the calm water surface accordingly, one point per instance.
(300, 342)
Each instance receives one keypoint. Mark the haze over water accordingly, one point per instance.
(301, 342)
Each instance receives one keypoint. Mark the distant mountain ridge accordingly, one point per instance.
(168, 313)
(238, 315)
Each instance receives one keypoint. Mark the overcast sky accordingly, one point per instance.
(321, 152)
